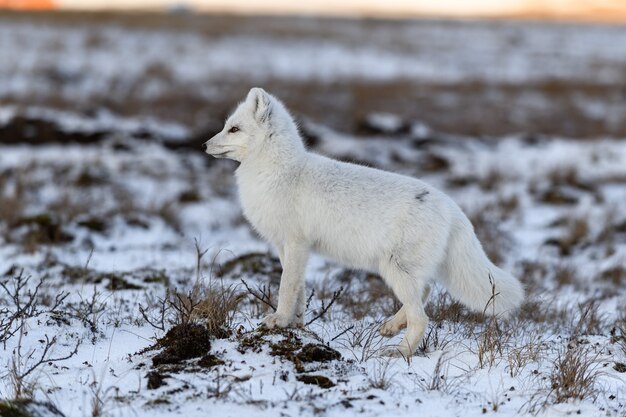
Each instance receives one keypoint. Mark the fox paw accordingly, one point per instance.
(391, 328)
(276, 320)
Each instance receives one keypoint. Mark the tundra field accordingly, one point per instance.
(131, 284)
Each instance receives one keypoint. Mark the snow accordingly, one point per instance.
(108, 361)
(80, 61)
(385, 122)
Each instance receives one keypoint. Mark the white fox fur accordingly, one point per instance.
(402, 228)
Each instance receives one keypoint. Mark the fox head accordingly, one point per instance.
(259, 123)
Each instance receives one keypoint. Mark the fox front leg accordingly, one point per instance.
(294, 258)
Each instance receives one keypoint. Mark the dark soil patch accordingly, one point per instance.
(114, 281)
(615, 275)
(256, 340)
(371, 125)
(134, 221)
(189, 196)
(43, 229)
(431, 162)
(117, 282)
(77, 274)
(249, 264)
(153, 276)
(289, 348)
(209, 361)
(182, 342)
(87, 178)
(286, 347)
(251, 342)
(318, 353)
(94, 224)
(620, 367)
(156, 379)
(319, 380)
(558, 196)
(24, 129)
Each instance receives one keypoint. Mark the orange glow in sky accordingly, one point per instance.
(28, 4)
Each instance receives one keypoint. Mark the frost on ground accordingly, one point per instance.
(130, 283)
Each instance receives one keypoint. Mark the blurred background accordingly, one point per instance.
(478, 68)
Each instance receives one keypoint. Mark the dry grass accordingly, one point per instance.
(588, 321)
(575, 374)
(533, 275)
(381, 377)
(618, 332)
(491, 344)
(364, 295)
(492, 181)
(565, 274)
(544, 314)
(362, 339)
(530, 351)
(211, 305)
(13, 196)
(573, 377)
(440, 379)
(613, 230)
(576, 234)
(442, 308)
(569, 176)
(217, 307)
(492, 340)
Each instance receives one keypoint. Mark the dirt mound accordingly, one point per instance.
(319, 380)
(290, 347)
(318, 353)
(182, 342)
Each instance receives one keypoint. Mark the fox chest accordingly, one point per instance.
(267, 209)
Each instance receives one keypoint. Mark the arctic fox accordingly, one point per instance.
(402, 228)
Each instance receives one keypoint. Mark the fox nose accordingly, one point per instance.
(204, 147)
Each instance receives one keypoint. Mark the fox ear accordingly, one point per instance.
(261, 104)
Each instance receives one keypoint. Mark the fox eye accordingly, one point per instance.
(233, 129)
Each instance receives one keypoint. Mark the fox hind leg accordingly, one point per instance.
(411, 288)
(398, 322)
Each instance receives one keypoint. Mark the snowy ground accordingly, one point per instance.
(112, 214)
(465, 77)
